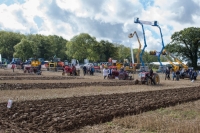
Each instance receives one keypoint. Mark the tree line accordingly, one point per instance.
(80, 47)
(184, 44)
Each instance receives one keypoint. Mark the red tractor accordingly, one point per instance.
(146, 79)
(97, 67)
(122, 75)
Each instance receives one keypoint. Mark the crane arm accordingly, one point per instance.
(179, 62)
(145, 45)
(175, 67)
(139, 49)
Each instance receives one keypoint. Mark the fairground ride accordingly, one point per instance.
(154, 23)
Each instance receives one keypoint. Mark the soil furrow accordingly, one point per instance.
(62, 115)
(21, 86)
(39, 78)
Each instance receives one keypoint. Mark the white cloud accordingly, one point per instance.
(110, 20)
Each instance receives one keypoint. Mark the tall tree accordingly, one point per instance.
(80, 47)
(7, 42)
(124, 53)
(186, 43)
(147, 58)
(59, 46)
(43, 47)
(108, 50)
(24, 49)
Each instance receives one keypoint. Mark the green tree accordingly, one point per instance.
(43, 46)
(124, 53)
(59, 46)
(80, 47)
(186, 43)
(7, 42)
(24, 49)
(108, 50)
(147, 58)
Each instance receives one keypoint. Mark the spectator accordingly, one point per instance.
(109, 72)
(84, 70)
(194, 75)
(13, 67)
(105, 72)
(167, 74)
(92, 70)
(74, 70)
(190, 74)
(173, 75)
(151, 76)
(177, 75)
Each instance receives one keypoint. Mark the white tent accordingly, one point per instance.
(165, 63)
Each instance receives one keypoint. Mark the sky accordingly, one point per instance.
(111, 20)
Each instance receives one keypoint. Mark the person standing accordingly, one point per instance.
(195, 74)
(151, 76)
(167, 74)
(190, 74)
(92, 70)
(84, 70)
(73, 70)
(177, 75)
(105, 72)
(13, 67)
(173, 75)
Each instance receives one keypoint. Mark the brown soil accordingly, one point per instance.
(11, 86)
(37, 78)
(65, 114)
(61, 115)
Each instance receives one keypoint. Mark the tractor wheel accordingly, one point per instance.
(148, 81)
(122, 77)
(156, 78)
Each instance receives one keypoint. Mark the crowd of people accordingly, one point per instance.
(176, 75)
(88, 70)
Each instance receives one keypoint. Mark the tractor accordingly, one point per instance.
(72, 69)
(96, 67)
(33, 67)
(121, 75)
(55, 65)
(146, 79)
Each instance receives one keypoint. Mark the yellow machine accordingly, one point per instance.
(136, 65)
(35, 66)
(128, 67)
(52, 66)
(174, 66)
(185, 67)
(154, 52)
(35, 63)
(55, 64)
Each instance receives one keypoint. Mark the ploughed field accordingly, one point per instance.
(55, 103)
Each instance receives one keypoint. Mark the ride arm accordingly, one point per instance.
(156, 24)
(145, 45)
